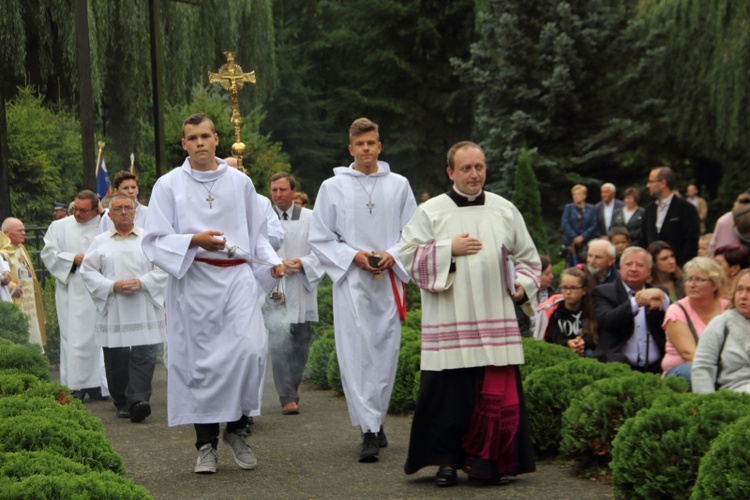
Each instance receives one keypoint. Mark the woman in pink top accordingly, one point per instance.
(686, 319)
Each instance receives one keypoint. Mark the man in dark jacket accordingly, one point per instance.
(629, 314)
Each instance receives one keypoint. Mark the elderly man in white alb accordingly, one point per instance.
(65, 243)
(129, 295)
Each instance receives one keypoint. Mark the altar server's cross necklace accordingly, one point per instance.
(210, 199)
(369, 203)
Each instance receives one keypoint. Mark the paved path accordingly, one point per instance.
(311, 455)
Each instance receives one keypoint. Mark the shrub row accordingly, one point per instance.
(50, 446)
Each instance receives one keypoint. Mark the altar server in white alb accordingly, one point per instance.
(65, 243)
(216, 338)
(288, 323)
(470, 412)
(126, 183)
(129, 295)
(356, 233)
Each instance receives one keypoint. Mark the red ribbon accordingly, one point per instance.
(222, 262)
(400, 304)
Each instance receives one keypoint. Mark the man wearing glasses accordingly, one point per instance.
(23, 286)
(129, 295)
(65, 243)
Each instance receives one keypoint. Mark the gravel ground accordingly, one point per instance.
(310, 455)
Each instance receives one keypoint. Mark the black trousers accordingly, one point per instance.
(289, 348)
(130, 371)
(209, 433)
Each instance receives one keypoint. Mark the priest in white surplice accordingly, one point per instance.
(456, 248)
(359, 213)
(288, 323)
(65, 243)
(129, 295)
(216, 337)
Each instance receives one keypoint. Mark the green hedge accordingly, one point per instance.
(656, 454)
(73, 412)
(318, 358)
(724, 471)
(75, 486)
(66, 437)
(550, 390)
(333, 374)
(539, 354)
(14, 325)
(406, 386)
(596, 413)
(13, 381)
(27, 358)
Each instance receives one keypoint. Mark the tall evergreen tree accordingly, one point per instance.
(527, 199)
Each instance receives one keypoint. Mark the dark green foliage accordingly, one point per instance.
(15, 382)
(51, 326)
(20, 464)
(403, 399)
(334, 374)
(319, 357)
(656, 454)
(14, 325)
(725, 470)
(413, 298)
(325, 307)
(27, 358)
(413, 320)
(596, 413)
(73, 412)
(72, 485)
(539, 354)
(527, 199)
(38, 433)
(550, 390)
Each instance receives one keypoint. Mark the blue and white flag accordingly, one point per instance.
(102, 178)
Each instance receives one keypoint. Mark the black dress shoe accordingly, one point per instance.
(382, 439)
(122, 413)
(446, 476)
(81, 394)
(370, 449)
(139, 411)
(490, 481)
(95, 394)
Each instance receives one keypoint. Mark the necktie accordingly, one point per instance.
(284, 216)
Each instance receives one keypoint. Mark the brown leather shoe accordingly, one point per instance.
(291, 408)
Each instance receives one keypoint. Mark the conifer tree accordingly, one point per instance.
(527, 199)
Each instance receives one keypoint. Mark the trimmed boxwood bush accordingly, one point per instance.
(71, 485)
(22, 464)
(550, 390)
(596, 413)
(27, 358)
(403, 399)
(318, 358)
(539, 354)
(325, 307)
(334, 374)
(15, 382)
(14, 325)
(656, 454)
(724, 471)
(66, 437)
(48, 407)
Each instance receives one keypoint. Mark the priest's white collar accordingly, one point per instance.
(469, 197)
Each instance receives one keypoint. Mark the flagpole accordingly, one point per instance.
(98, 159)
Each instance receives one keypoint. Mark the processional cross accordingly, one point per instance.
(231, 77)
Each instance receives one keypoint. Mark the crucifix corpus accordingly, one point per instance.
(231, 77)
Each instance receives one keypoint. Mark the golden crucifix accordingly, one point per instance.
(231, 77)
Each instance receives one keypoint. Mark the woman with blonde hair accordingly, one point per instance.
(686, 319)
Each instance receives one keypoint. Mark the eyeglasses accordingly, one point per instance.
(122, 209)
(697, 280)
(564, 289)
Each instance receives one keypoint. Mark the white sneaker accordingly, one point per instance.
(243, 455)
(207, 460)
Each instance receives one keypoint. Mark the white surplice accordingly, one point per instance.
(141, 212)
(4, 292)
(300, 288)
(125, 320)
(468, 318)
(81, 360)
(357, 212)
(275, 231)
(216, 337)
